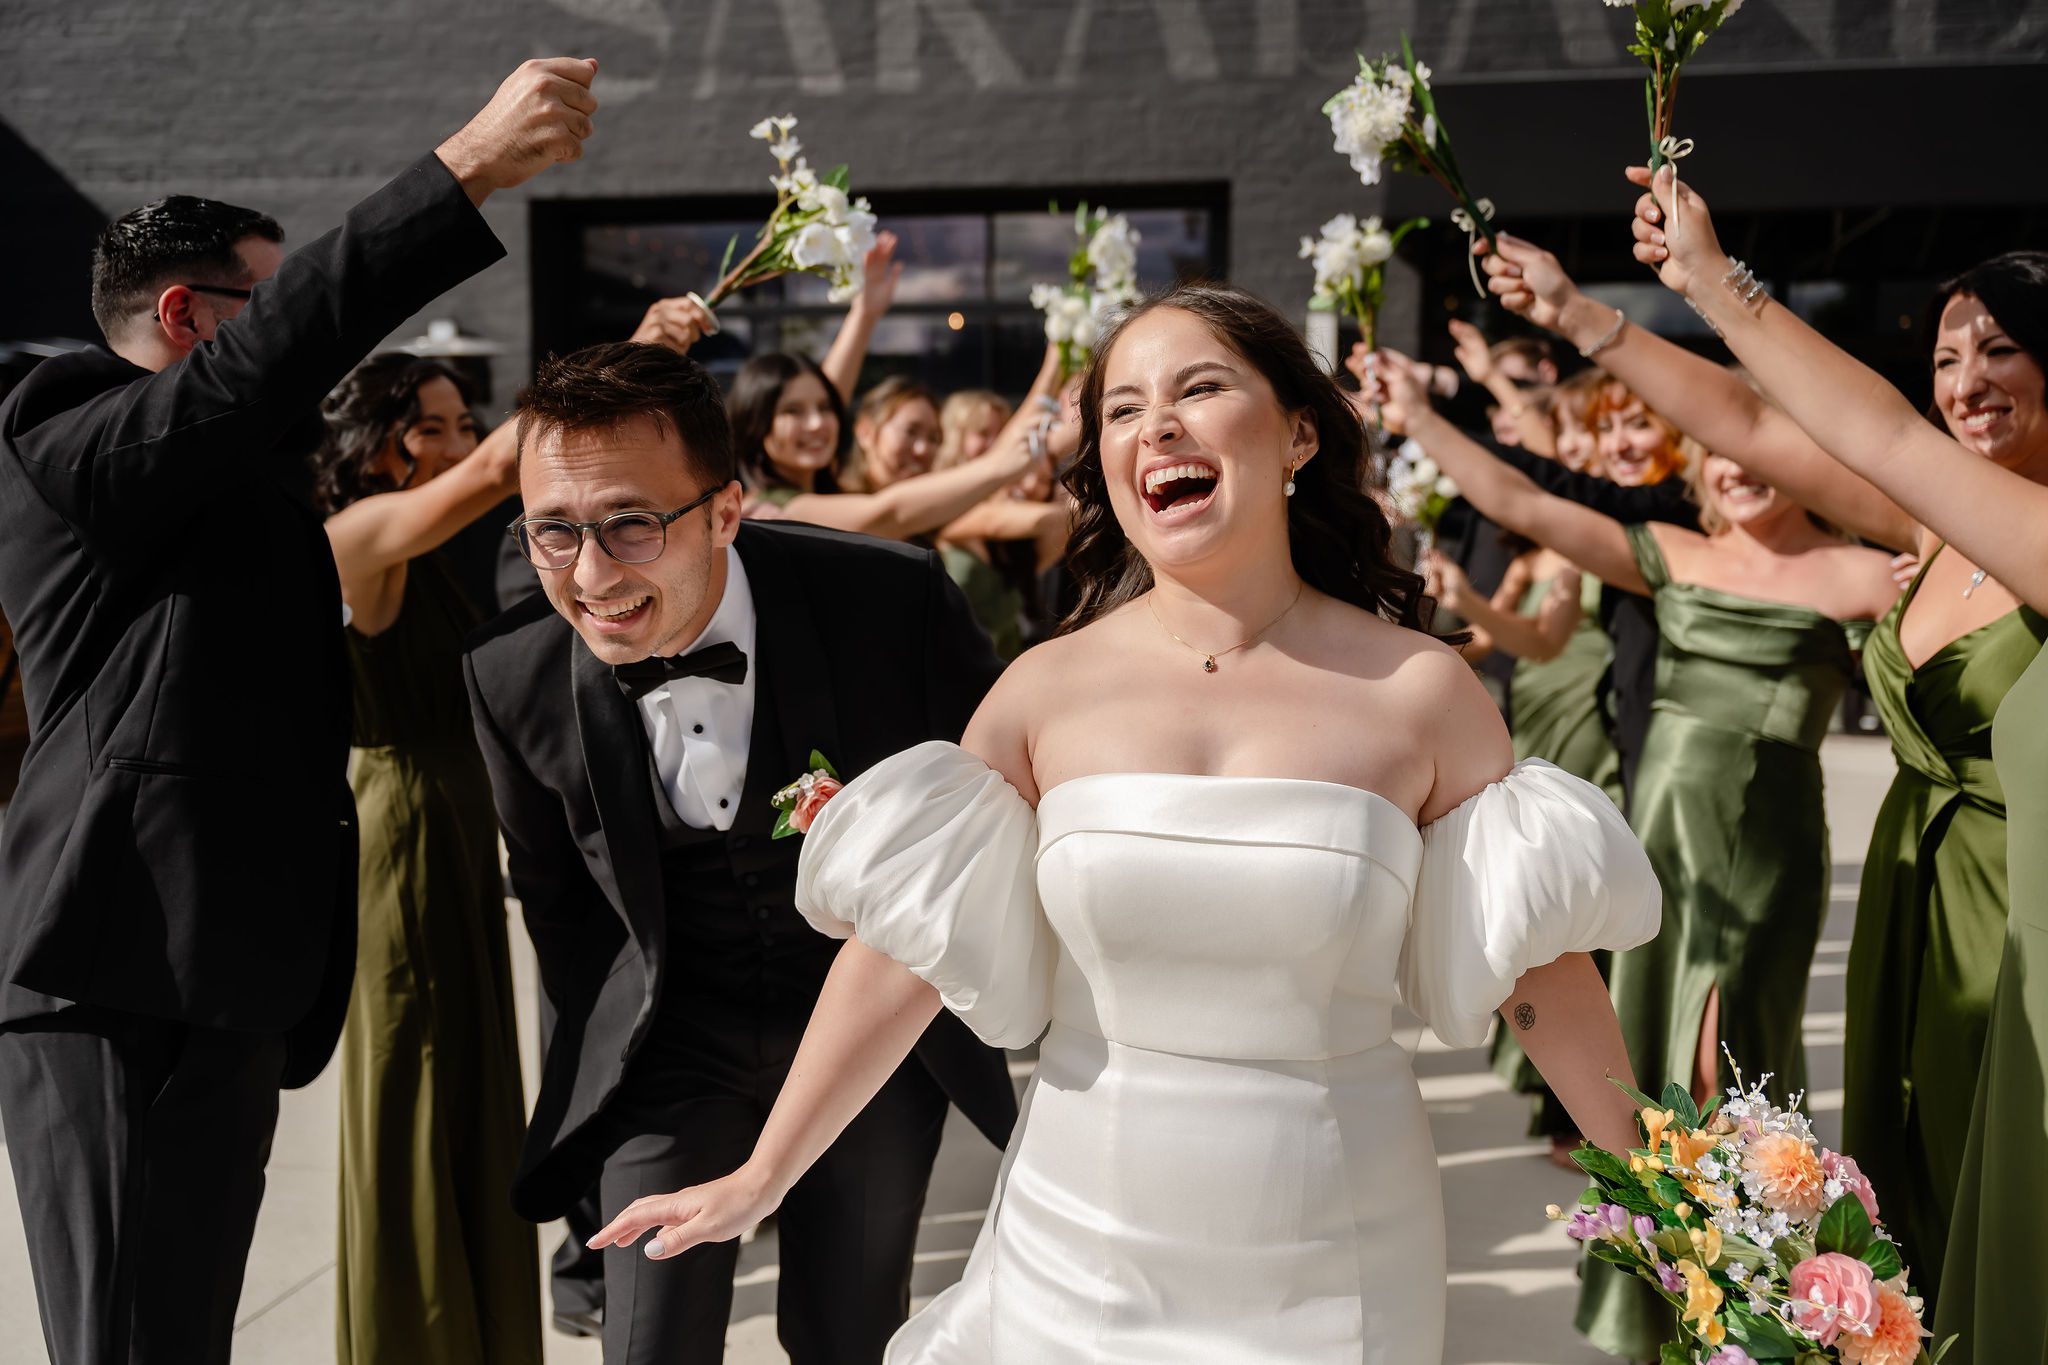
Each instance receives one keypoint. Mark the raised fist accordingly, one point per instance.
(540, 115)
(678, 323)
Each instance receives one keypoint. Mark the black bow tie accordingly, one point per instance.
(723, 662)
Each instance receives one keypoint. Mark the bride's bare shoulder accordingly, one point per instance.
(1004, 730)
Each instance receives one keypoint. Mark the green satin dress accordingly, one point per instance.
(1930, 925)
(1728, 804)
(434, 1268)
(1557, 717)
(1992, 1285)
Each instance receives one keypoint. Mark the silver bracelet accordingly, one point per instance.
(1742, 282)
(1712, 326)
(1613, 335)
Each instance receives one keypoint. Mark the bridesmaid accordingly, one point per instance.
(1977, 487)
(434, 1266)
(1759, 614)
(1931, 916)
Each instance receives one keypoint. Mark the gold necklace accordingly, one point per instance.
(1208, 659)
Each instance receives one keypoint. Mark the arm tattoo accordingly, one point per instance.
(1525, 1016)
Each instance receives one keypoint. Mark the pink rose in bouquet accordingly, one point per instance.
(1833, 1294)
(821, 790)
(798, 804)
(1844, 1168)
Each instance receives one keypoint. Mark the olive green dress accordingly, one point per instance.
(1930, 925)
(1729, 806)
(1557, 717)
(998, 608)
(434, 1266)
(1992, 1294)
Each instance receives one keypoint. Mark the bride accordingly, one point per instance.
(1210, 836)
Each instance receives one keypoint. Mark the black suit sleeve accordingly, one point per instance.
(960, 663)
(148, 456)
(1664, 501)
(561, 903)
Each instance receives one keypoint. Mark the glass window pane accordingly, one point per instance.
(664, 259)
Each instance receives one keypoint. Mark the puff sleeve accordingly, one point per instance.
(929, 857)
(1537, 865)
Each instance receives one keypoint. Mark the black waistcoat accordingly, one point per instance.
(735, 938)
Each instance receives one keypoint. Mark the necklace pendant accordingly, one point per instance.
(1208, 663)
(1976, 582)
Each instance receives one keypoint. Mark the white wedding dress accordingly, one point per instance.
(1223, 1157)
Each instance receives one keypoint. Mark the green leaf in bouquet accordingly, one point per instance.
(1642, 1101)
(1882, 1258)
(838, 178)
(1760, 1334)
(1671, 1192)
(1675, 1242)
(1614, 1255)
(1742, 1251)
(1938, 1352)
(1845, 1227)
(783, 828)
(1602, 1165)
(1591, 1196)
(822, 764)
(1790, 1251)
(725, 261)
(1679, 1101)
(1674, 1353)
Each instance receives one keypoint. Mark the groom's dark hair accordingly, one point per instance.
(604, 386)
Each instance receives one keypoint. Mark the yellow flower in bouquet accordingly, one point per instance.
(1703, 1300)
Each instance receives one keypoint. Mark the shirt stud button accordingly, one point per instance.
(723, 803)
(698, 729)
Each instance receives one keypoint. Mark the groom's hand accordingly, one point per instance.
(540, 115)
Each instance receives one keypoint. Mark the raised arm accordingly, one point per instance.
(375, 537)
(913, 506)
(877, 291)
(1714, 407)
(1990, 513)
(1475, 358)
(1594, 542)
(1537, 637)
(136, 460)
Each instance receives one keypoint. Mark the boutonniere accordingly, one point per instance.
(798, 804)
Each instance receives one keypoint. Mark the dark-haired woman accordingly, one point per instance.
(1931, 914)
(1209, 836)
(433, 1266)
(1976, 484)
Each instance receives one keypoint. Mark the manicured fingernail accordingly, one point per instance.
(654, 1250)
(1656, 215)
(1662, 252)
(1657, 237)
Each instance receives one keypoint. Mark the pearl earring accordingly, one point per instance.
(1288, 489)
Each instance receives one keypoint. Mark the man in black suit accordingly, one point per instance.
(177, 904)
(636, 719)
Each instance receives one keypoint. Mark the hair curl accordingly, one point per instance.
(1338, 536)
(376, 405)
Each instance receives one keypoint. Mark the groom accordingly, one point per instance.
(680, 667)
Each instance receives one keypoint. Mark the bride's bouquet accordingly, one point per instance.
(1766, 1243)
(1668, 32)
(1102, 281)
(817, 227)
(1350, 264)
(1387, 117)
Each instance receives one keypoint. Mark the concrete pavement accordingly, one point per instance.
(1512, 1286)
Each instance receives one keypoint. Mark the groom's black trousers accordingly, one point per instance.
(689, 1111)
(138, 1147)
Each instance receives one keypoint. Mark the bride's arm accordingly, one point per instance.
(1561, 1013)
(869, 1016)
(1564, 1019)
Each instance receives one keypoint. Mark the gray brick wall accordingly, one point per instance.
(301, 108)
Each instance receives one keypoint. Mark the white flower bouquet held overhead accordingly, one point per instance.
(1668, 33)
(817, 226)
(1387, 117)
(1102, 281)
(1766, 1244)
(1421, 491)
(1350, 261)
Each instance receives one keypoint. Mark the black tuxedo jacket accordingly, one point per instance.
(182, 843)
(864, 648)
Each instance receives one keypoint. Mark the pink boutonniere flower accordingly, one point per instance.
(798, 804)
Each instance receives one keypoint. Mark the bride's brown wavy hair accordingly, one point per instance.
(1339, 537)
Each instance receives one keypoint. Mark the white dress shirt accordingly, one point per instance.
(699, 729)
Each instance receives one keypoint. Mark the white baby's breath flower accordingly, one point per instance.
(786, 149)
(1445, 486)
(815, 245)
(763, 130)
(828, 200)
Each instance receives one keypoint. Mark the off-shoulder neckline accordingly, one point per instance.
(1344, 787)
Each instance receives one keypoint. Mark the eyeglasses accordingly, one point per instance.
(628, 537)
(221, 289)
